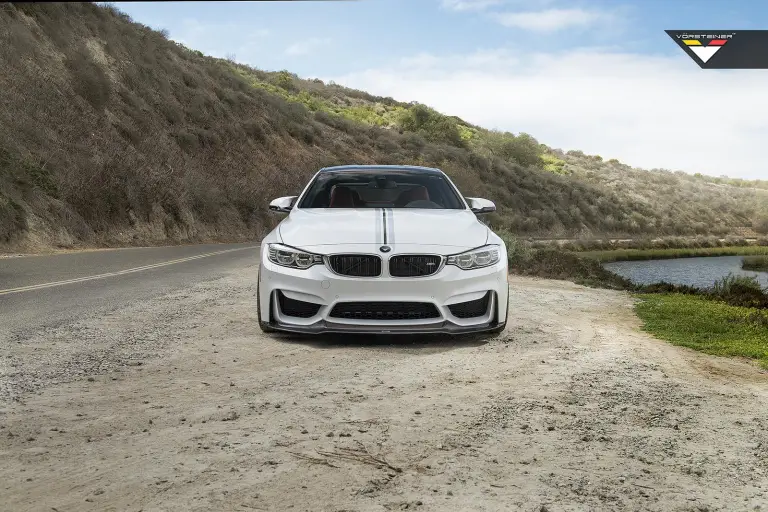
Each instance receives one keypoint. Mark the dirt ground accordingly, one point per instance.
(182, 404)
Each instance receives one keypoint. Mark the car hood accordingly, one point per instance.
(456, 229)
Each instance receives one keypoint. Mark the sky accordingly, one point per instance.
(600, 76)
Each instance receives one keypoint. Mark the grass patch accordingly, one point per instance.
(661, 254)
(757, 263)
(708, 326)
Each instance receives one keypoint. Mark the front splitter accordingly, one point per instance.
(325, 327)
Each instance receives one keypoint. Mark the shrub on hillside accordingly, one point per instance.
(247, 135)
(435, 127)
(89, 80)
(760, 225)
(12, 219)
(284, 80)
(523, 149)
(302, 132)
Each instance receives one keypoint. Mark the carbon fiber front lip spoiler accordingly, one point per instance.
(324, 327)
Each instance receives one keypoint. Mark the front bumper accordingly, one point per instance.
(318, 285)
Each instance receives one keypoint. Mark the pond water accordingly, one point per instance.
(699, 272)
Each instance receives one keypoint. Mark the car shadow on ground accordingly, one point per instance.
(421, 343)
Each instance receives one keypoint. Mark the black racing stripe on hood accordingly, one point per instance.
(384, 224)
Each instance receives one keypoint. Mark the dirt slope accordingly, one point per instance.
(112, 134)
(182, 404)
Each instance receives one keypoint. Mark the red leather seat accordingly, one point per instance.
(342, 197)
(412, 194)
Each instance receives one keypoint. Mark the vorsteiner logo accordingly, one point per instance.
(743, 49)
(704, 46)
(705, 36)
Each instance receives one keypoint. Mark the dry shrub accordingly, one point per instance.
(185, 134)
(89, 80)
(12, 219)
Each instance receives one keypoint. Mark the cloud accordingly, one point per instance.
(307, 46)
(469, 5)
(193, 30)
(551, 20)
(651, 111)
(207, 37)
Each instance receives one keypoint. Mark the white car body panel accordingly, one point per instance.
(459, 229)
(406, 231)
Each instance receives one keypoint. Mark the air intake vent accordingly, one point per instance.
(297, 308)
(356, 265)
(472, 308)
(385, 310)
(408, 265)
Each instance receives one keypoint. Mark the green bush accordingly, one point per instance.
(284, 80)
(523, 149)
(518, 251)
(738, 290)
(553, 164)
(434, 126)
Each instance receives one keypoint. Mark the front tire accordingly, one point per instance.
(264, 326)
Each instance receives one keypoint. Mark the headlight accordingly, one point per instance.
(476, 258)
(294, 258)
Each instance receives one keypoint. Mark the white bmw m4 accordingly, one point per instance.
(382, 249)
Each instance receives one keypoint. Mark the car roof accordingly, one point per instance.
(413, 168)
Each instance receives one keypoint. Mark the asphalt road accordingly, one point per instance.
(37, 292)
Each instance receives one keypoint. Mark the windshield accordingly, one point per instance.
(379, 188)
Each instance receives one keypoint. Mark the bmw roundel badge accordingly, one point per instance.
(385, 248)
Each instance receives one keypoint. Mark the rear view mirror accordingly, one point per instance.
(282, 204)
(479, 205)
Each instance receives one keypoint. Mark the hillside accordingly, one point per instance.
(111, 134)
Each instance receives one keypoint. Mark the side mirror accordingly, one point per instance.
(282, 204)
(479, 205)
